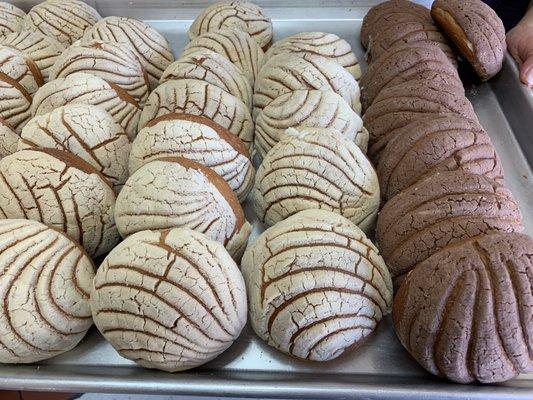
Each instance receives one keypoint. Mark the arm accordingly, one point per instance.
(520, 44)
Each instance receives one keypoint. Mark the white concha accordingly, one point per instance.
(324, 44)
(86, 131)
(195, 97)
(8, 139)
(170, 300)
(237, 46)
(315, 168)
(151, 47)
(80, 88)
(11, 18)
(316, 285)
(198, 139)
(310, 108)
(45, 285)
(239, 15)
(65, 21)
(15, 103)
(212, 68)
(63, 191)
(176, 192)
(42, 50)
(288, 72)
(113, 62)
(21, 68)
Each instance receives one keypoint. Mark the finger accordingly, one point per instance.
(526, 72)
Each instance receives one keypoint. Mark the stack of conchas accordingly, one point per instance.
(449, 230)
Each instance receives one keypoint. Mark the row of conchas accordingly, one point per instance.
(449, 230)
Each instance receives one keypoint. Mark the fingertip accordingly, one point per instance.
(526, 72)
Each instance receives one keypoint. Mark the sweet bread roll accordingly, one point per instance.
(15, 65)
(317, 286)
(211, 67)
(195, 97)
(309, 108)
(88, 132)
(8, 139)
(313, 168)
(176, 192)
(239, 15)
(433, 144)
(289, 72)
(15, 103)
(198, 139)
(465, 312)
(477, 32)
(44, 286)
(65, 21)
(237, 46)
(169, 300)
(151, 48)
(324, 44)
(408, 62)
(397, 106)
(80, 88)
(63, 191)
(11, 18)
(113, 62)
(439, 211)
(40, 49)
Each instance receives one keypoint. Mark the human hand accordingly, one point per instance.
(520, 45)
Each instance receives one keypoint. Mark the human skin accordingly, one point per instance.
(520, 45)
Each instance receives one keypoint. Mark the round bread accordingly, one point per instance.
(11, 18)
(8, 139)
(40, 49)
(324, 44)
(403, 32)
(465, 313)
(390, 13)
(476, 30)
(316, 285)
(15, 103)
(170, 300)
(433, 144)
(310, 108)
(237, 46)
(150, 47)
(63, 191)
(408, 62)
(86, 131)
(238, 15)
(113, 62)
(65, 21)
(397, 106)
(315, 168)
(45, 284)
(22, 69)
(198, 139)
(176, 192)
(80, 88)
(195, 97)
(211, 67)
(439, 211)
(288, 72)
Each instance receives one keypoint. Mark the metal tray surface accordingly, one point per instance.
(381, 368)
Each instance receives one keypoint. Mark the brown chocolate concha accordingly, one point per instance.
(381, 17)
(434, 144)
(477, 32)
(465, 313)
(404, 63)
(397, 106)
(403, 32)
(439, 211)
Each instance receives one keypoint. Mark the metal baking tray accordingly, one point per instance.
(381, 368)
